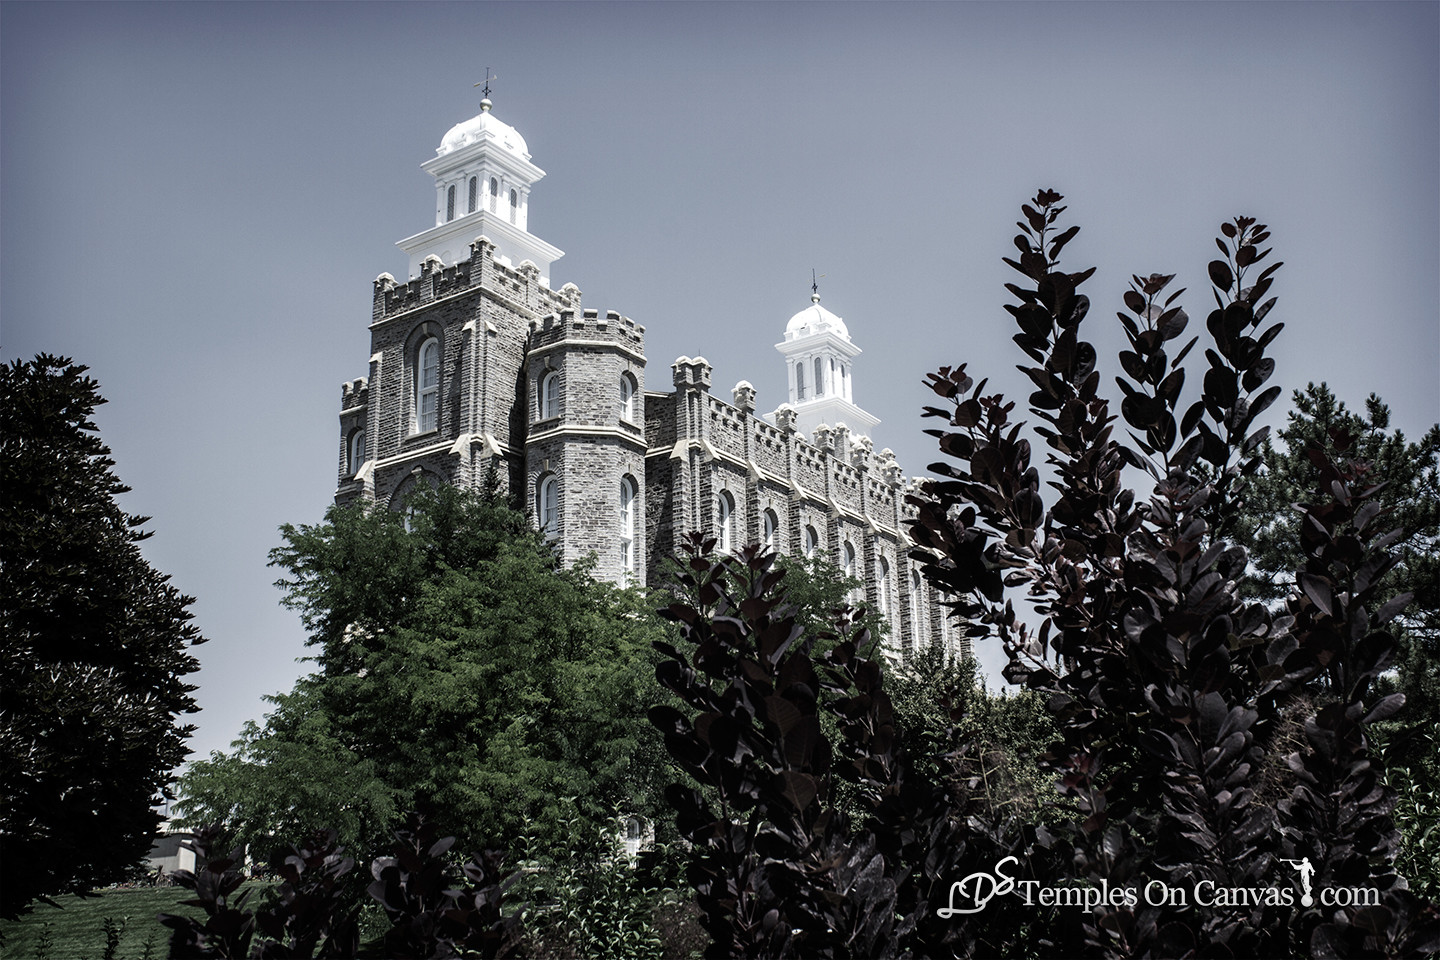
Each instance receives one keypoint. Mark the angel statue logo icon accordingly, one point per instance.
(1306, 870)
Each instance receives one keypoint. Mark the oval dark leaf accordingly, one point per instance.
(1258, 373)
(1220, 386)
(1172, 323)
(1221, 276)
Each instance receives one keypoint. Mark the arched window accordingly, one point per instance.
(474, 194)
(800, 380)
(884, 590)
(627, 397)
(514, 205)
(427, 385)
(450, 203)
(627, 526)
(812, 542)
(725, 525)
(550, 395)
(857, 594)
(917, 625)
(494, 194)
(547, 507)
(771, 523)
(357, 451)
(819, 379)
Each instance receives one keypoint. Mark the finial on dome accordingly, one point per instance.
(485, 104)
(815, 286)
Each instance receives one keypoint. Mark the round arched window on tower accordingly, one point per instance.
(627, 529)
(725, 522)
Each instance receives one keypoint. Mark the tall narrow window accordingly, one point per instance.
(547, 507)
(514, 205)
(857, 593)
(550, 395)
(884, 587)
(357, 451)
(627, 527)
(771, 522)
(812, 542)
(917, 627)
(494, 195)
(819, 379)
(427, 385)
(450, 203)
(627, 397)
(474, 194)
(800, 381)
(725, 516)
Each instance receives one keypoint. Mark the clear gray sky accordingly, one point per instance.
(195, 199)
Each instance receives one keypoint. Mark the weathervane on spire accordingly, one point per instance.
(815, 286)
(485, 103)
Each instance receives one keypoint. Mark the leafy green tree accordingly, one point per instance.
(818, 589)
(1410, 501)
(93, 649)
(990, 744)
(460, 668)
(1268, 524)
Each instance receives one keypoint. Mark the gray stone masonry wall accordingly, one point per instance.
(354, 401)
(590, 446)
(501, 330)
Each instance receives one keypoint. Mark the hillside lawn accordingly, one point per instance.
(77, 930)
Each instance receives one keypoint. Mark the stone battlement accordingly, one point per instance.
(354, 393)
(587, 325)
(520, 284)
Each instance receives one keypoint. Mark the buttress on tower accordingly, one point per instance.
(478, 364)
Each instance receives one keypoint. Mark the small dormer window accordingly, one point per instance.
(474, 194)
(514, 205)
(450, 203)
(494, 194)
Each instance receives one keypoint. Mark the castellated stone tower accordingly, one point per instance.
(478, 365)
(585, 447)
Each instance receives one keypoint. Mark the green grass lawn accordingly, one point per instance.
(77, 929)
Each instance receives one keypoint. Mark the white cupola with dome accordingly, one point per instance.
(483, 176)
(818, 354)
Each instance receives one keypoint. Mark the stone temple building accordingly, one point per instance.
(478, 362)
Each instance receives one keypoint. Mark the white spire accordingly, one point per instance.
(483, 177)
(818, 353)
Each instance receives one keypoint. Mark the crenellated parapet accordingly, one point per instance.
(520, 285)
(587, 327)
(354, 393)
